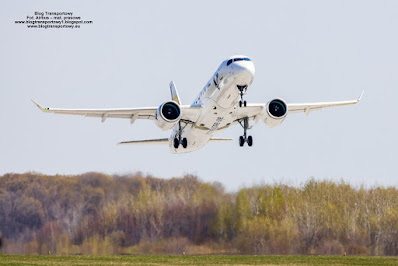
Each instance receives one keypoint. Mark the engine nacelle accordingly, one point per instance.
(275, 112)
(167, 115)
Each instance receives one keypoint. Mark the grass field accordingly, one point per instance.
(195, 260)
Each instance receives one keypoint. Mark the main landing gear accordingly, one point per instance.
(178, 139)
(245, 124)
(245, 138)
(242, 90)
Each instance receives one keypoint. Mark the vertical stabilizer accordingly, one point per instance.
(174, 94)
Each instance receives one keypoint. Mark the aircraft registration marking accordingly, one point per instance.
(215, 125)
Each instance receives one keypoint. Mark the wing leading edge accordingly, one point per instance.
(308, 107)
(188, 113)
(254, 111)
(128, 113)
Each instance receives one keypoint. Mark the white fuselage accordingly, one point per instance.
(219, 102)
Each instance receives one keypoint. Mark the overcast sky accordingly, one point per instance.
(303, 51)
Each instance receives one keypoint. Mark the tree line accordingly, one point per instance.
(94, 213)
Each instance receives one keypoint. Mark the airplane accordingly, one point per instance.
(219, 105)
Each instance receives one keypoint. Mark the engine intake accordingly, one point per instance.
(277, 108)
(275, 112)
(167, 115)
(170, 111)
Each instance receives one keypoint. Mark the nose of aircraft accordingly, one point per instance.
(244, 71)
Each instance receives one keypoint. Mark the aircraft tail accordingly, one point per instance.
(174, 94)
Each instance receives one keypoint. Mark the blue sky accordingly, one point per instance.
(304, 51)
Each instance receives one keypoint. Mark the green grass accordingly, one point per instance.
(195, 260)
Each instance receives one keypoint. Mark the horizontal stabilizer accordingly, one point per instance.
(148, 141)
(165, 141)
(220, 140)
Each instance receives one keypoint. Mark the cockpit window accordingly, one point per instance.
(237, 59)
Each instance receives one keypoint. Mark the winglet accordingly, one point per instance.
(39, 106)
(360, 97)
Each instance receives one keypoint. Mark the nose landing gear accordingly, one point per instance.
(242, 90)
(178, 139)
(245, 138)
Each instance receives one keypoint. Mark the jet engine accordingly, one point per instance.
(275, 112)
(167, 115)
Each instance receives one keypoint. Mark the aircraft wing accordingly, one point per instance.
(254, 111)
(308, 107)
(187, 113)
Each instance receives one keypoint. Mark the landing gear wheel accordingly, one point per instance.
(176, 143)
(250, 141)
(241, 141)
(177, 139)
(184, 143)
(242, 103)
